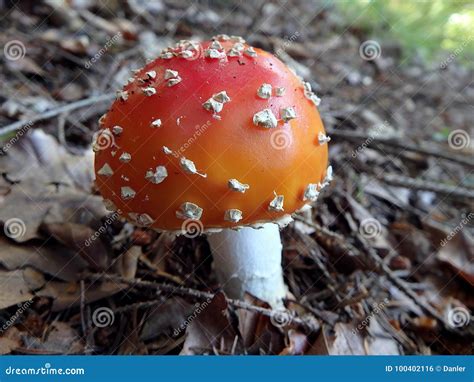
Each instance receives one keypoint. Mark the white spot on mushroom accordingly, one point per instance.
(131, 80)
(279, 91)
(166, 55)
(151, 74)
(221, 37)
(125, 158)
(239, 46)
(127, 193)
(125, 178)
(232, 52)
(189, 210)
(158, 176)
(323, 138)
(307, 87)
(309, 94)
(174, 81)
(287, 113)
(189, 167)
(250, 52)
(105, 170)
(216, 102)
(186, 53)
(233, 215)
(149, 91)
(212, 53)
(221, 97)
(277, 203)
(156, 123)
(329, 176)
(212, 105)
(122, 95)
(171, 74)
(315, 99)
(265, 91)
(167, 151)
(141, 219)
(235, 185)
(265, 118)
(237, 39)
(215, 45)
(144, 219)
(109, 205)
(311, 193)
(117, 130)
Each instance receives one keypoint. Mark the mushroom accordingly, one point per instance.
(238, 150)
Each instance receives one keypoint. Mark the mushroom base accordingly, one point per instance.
(249, 260)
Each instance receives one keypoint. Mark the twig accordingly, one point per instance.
(418, 184)
(402, 285)
(57, 111)
(200, 295)
(391, 142)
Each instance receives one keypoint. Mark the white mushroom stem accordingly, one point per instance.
(249, 260)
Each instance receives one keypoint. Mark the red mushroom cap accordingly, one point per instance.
(218, 132)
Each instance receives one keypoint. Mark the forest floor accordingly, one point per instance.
(383, 264)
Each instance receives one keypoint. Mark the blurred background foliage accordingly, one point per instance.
(430, 29)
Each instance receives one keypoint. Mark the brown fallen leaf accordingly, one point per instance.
(10, 341)
(83, 240)
(15, 288)
(60, 338)
(347, 341)
(168, 318)
(53, 259)
(458, 253)
(211, 330)
(69, 295)
(297, 343)
(379, 342)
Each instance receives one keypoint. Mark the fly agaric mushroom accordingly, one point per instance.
(221, 137)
